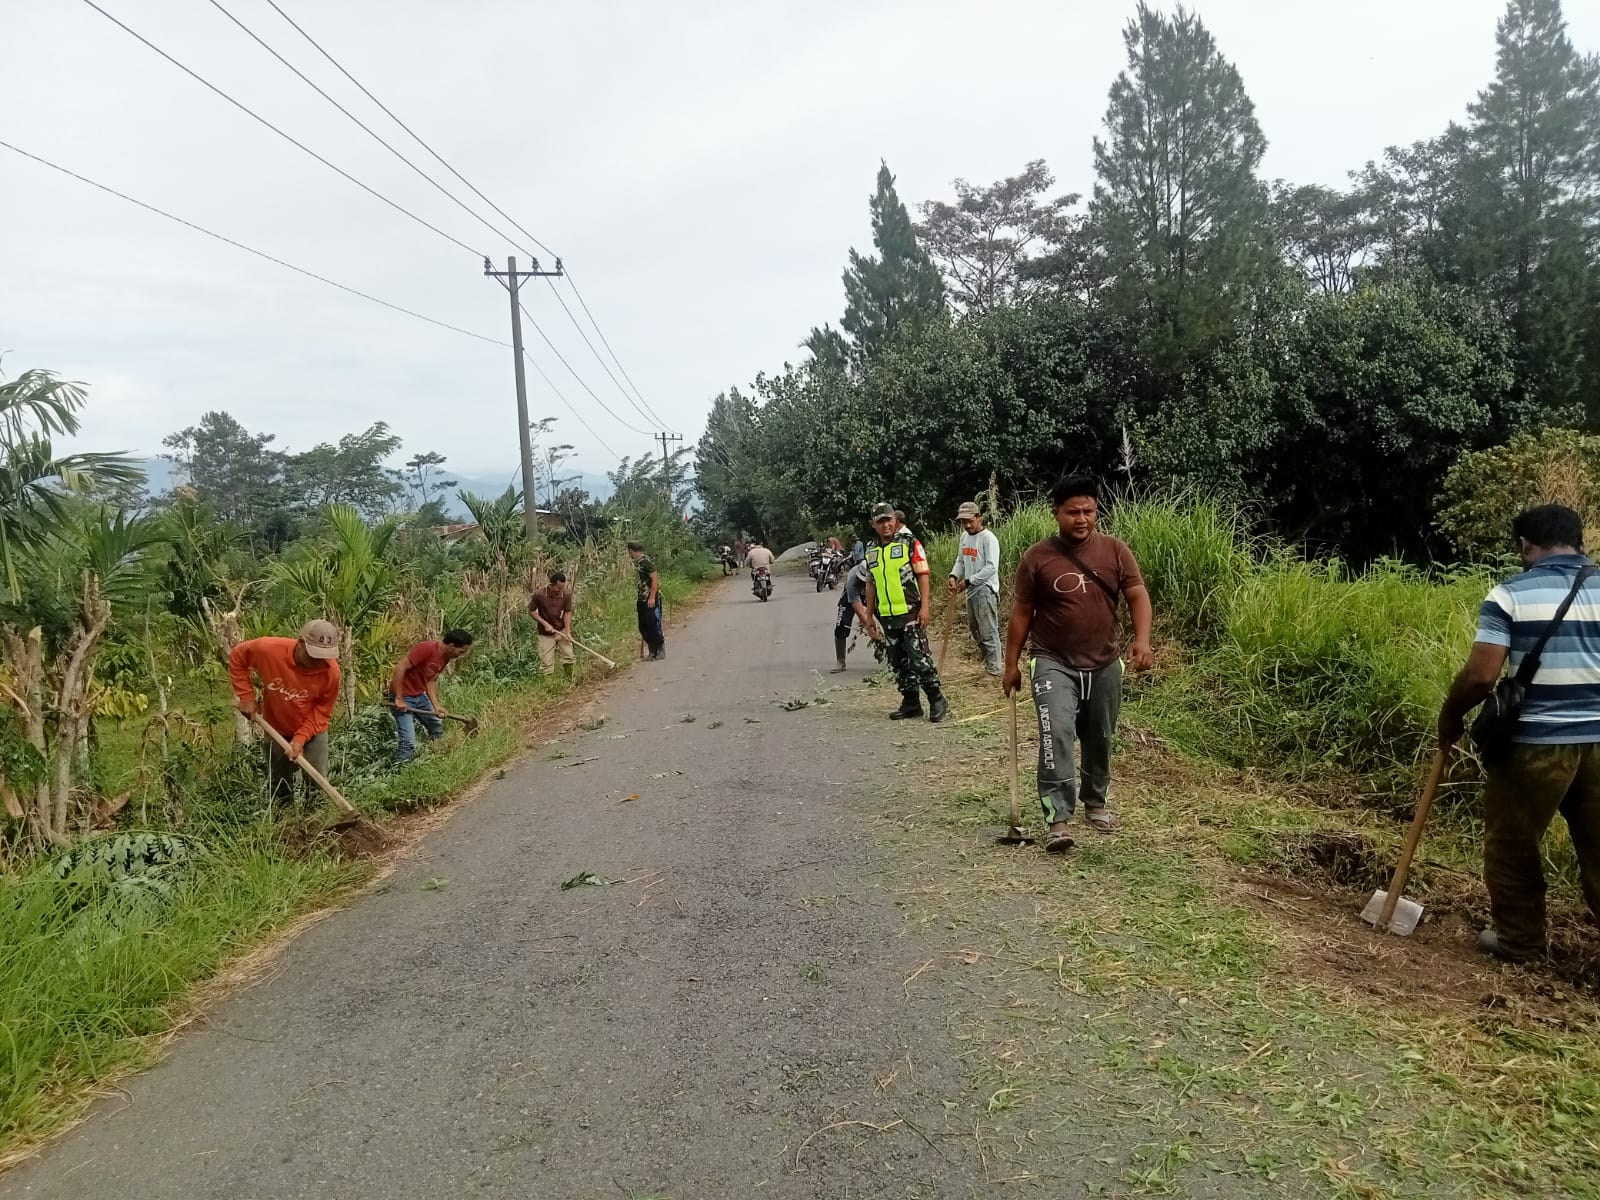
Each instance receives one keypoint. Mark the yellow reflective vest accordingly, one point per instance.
(889, 565)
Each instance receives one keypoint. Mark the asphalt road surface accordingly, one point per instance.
(731, 1020)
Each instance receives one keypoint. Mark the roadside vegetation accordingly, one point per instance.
(1203, 975)
(139, 853)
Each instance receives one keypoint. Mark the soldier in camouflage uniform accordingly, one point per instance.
(898, 597)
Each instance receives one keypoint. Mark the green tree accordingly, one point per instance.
(1526, 225)
(35, 481)
(894, 291)
(987, 241)
(1177, 206)
(1326, 233)
(235, 471)
(1378, 393)
(726, 461)
(425, 478)
(1406, 197)
(501, 551)
(351, 472)
(348, 576)
(53, 629)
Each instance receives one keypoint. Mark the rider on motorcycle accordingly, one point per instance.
(759, 556)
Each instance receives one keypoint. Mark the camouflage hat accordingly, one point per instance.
(320, 638)
(880, 511)
(967, 510)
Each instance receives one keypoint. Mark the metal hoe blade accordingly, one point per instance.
(1407, 914)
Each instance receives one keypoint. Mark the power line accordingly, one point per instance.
(414, 135)
(111, 191)
(286, 137)
(262, 254)
(534, 364)
(647, 411)
(537, 328)
(573, 284)
(648, 416)
(312, 84)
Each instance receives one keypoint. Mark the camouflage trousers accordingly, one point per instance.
(1520, 799)
(905, 644)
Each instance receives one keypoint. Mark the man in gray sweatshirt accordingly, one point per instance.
(977, 573)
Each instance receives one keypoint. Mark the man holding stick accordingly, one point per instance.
(551, 610)
(299, 687)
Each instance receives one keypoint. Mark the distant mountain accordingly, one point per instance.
(158, 472)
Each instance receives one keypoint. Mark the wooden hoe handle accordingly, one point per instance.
(315, 775)
(1403, 868)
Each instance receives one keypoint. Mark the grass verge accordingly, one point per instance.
(98, 968)
(1187, 1023)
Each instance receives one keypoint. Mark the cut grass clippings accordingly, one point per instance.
(1189, 1031)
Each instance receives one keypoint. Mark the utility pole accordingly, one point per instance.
(511, 279)
(664, 438)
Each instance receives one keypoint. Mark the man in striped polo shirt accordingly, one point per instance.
(1555, 760)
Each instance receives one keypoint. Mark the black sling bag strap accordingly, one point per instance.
(1496, 722)
(1090, 573)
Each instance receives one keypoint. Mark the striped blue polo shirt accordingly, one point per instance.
(1563, 701)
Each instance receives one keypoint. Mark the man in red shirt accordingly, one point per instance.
(1065, 604)
(413, 692)
(299, 687)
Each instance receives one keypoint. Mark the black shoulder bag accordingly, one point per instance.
(1090, 573)
(1496, 722)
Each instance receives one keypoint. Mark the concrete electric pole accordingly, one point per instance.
(512, 278)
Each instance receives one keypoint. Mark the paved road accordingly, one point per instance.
(679, 1035)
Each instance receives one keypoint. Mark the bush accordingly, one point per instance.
(1486, 488)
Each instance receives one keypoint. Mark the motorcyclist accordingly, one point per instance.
(759, 557)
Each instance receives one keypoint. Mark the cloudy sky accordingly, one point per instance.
(703, 167)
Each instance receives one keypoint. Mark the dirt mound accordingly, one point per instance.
(1330, 857)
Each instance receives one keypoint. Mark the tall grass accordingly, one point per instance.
(84, 982)
(1285, 663)
(1319, 664)
(1193, 553)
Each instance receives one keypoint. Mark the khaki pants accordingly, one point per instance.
(551, 648)
(1520, 800)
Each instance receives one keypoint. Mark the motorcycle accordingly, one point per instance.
(761, 583)
(826, 572)
(725, 557)
(837, 566)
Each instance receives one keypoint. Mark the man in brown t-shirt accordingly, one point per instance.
(1064, 607)
(551, 610)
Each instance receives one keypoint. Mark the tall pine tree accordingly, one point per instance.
(897, 291)
(1177, 204)
(1526, 225)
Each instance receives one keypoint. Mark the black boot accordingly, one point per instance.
(910, 706)
(840, 644)
(938, 706)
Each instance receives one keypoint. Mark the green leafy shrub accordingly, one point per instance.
(1487, 488)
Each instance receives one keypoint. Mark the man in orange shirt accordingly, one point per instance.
(299, 686)
(413, 693)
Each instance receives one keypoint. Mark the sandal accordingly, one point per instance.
(1058, 843)
(1100, 819)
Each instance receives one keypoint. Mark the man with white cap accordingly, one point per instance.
(299, 687)
(977, 573)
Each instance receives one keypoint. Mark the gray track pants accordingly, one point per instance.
(983, 619)
(1081, 703)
